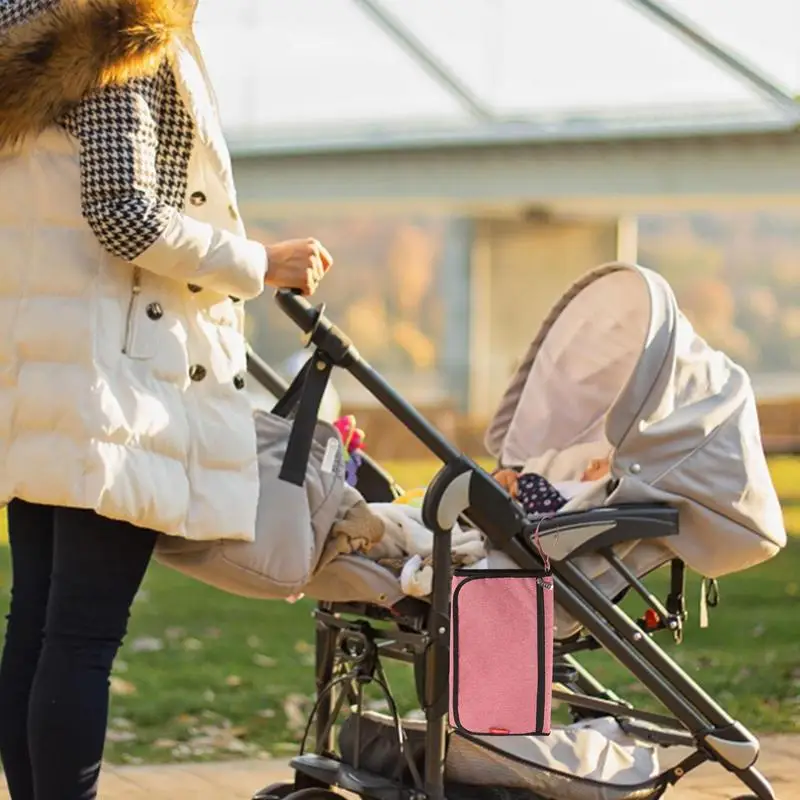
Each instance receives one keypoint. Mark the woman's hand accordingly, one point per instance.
(297, 264)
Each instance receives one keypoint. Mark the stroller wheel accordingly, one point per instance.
(276, 791)
(315, 794)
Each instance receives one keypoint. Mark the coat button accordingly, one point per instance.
(194, 288)
(154, 311)
(197, 372)
(197, 198)
(239, 381)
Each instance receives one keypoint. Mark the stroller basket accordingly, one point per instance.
(390, 759)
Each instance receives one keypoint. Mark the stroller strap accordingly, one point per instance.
(305, 393)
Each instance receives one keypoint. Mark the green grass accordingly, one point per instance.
(204, 675)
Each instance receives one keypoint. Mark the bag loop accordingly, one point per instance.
(314, 378)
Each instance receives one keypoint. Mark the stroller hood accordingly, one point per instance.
(617, 369)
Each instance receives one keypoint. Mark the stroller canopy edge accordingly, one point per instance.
(617, 367)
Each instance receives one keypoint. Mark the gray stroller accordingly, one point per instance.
(616, 369)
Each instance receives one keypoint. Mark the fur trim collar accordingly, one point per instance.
(51, 61)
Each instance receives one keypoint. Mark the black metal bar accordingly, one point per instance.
(613, 709)
(325, 657)
(437, 658)
(589, 685)
(412, 419)
(344, 694)
(416, 641)
(638, 586)
(585, 644)
(265, 374)
(657, 735)
(756, 782)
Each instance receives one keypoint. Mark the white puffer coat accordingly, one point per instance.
(122, 356)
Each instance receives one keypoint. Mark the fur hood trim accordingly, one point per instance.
(51, 61)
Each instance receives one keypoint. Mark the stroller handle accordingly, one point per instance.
(447, 496)
(297, 308)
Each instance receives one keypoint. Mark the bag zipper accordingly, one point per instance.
(466, 572)
(541, 644)
(133, 307)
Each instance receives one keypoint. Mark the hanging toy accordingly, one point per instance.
(353, 440)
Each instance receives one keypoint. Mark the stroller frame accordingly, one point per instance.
(346, 634)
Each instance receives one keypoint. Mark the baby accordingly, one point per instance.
(537, 495)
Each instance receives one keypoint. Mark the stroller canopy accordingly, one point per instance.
(617, 369)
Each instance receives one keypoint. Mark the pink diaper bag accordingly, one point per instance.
(501, 652)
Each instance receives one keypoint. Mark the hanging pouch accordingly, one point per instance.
(501, 652)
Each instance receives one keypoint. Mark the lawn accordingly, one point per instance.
(204, 675)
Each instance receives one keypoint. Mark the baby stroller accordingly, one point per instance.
(686, 451)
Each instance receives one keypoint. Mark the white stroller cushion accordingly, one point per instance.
(590, 760)
(405, 535)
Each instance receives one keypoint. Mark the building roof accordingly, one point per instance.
(322, 74)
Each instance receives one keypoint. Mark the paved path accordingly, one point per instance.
(238, 780)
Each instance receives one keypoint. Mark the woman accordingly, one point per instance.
(123, 267)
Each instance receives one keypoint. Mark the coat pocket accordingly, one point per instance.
(138, 341)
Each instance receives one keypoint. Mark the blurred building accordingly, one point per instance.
(466, 159)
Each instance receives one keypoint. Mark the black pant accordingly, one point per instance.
(75, 575)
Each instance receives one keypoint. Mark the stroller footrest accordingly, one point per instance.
(331, 772)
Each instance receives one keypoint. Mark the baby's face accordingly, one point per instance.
(596, 469)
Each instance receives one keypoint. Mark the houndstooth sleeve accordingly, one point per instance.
(135, 144)
(16, 12)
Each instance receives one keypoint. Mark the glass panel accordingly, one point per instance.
(737, 278)
(586, 54)
(390, 294)
(304, 62)
(299, 64)
(764, 32)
